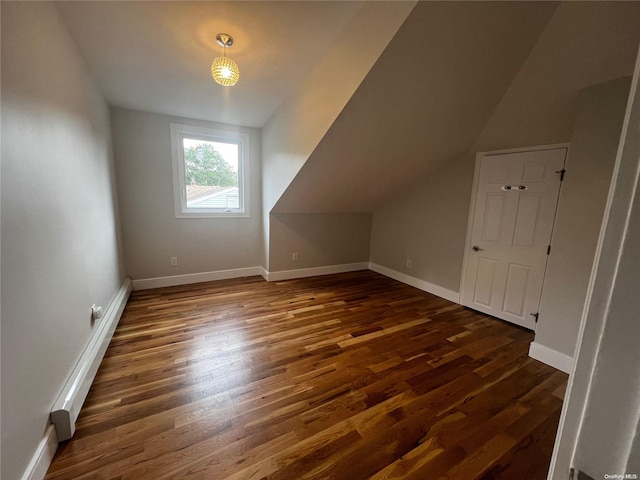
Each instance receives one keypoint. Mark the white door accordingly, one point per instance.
(510, 232)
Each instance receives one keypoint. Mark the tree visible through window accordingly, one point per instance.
(205, 165)
(211, 174)
(210, 170)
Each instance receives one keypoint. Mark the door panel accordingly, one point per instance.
(493, 218)
(515, 293)
(526, 221)
(535, 173)
(484, 282)
(511, 224)
(499, 174)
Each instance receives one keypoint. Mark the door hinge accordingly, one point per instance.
(562, 172)
(548, 249)
(535, 316)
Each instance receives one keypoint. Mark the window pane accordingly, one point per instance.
(211, 174)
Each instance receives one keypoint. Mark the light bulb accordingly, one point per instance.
(225, 71)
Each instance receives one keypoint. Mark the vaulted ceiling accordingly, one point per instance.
(156, 56)
(456, 77)
(459, 76)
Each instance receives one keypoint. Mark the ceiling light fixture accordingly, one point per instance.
(224, 70)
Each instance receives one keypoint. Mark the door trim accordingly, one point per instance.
(474, 190)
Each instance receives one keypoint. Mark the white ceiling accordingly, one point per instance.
(156, 56)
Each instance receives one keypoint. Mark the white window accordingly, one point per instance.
(210, 172)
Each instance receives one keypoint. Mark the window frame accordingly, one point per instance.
(179, 132)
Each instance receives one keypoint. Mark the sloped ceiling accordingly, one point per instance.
(584, 44)
(431, 94)
(156, 56)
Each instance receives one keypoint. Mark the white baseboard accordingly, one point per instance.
(315, 271)
(173, 280)
(551, 357)
(416, 282)
(43, 456)
(66, 408)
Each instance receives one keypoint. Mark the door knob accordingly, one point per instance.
(476, 248)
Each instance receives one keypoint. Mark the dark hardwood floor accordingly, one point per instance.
(346, 376)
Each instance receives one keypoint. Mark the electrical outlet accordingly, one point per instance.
(295, 257)
(408, 263)
(174, 261)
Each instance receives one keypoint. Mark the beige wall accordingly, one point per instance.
(60, 247)
(319, 239)
(289, 137)
(599, 430)
(608, 440)
(583, 196)
(427, 225)
(151, 232)
(574, 52)
(424, 102)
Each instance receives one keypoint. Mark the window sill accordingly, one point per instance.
(212, 215)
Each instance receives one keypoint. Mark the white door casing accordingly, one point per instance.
(510, 225)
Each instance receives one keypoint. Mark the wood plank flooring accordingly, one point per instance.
(346, 376)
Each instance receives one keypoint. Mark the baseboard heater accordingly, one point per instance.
(67, 407)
